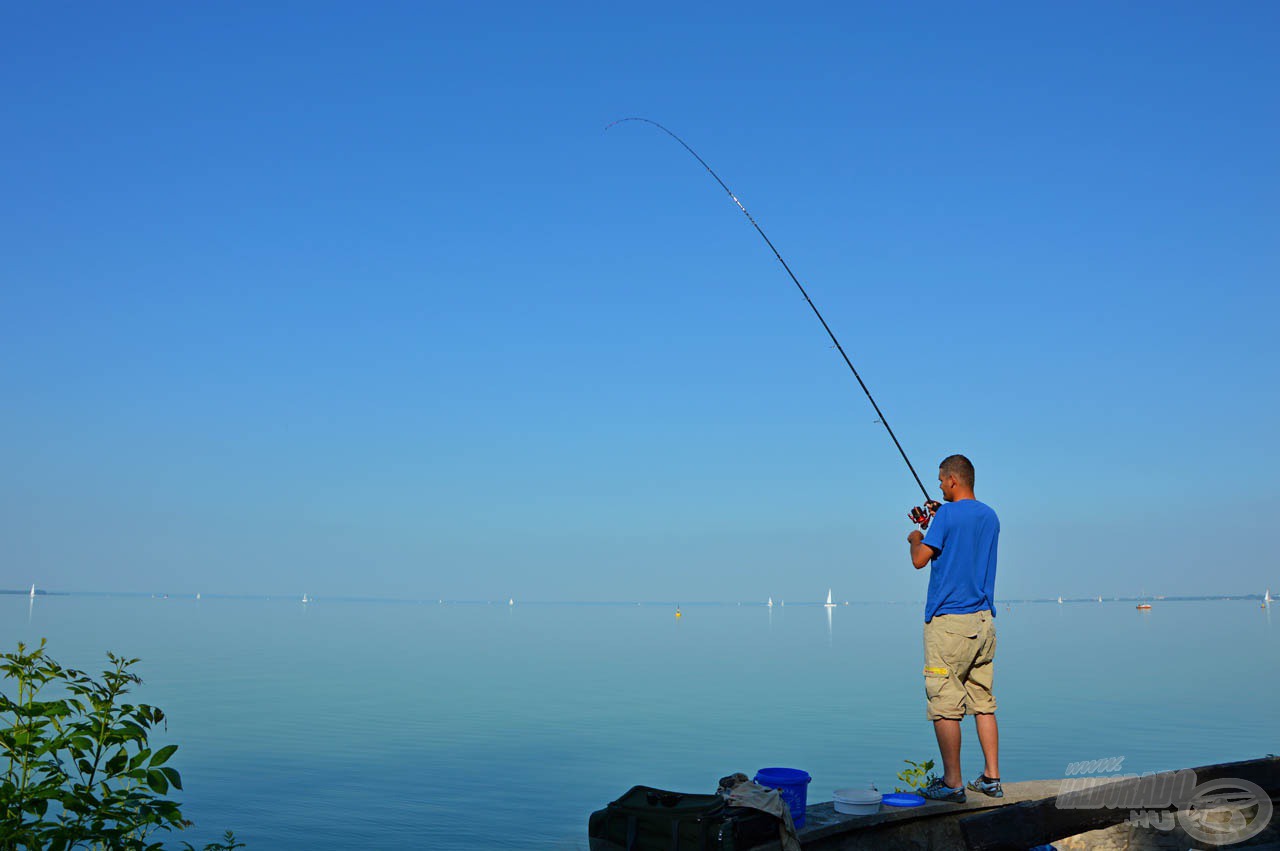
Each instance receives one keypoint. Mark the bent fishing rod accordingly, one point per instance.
(918, 515)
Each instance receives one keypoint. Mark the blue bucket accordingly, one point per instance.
(792, 784)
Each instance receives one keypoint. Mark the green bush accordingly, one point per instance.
(80, 772)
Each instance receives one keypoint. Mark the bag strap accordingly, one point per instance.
(701, 822)
(708, 821)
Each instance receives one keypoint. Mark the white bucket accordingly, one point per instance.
(857, 802)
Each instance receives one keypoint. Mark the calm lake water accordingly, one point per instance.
(340, 725)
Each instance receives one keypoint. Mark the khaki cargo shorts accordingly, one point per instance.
(959, 665)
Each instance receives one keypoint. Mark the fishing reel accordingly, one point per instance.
(922, 517)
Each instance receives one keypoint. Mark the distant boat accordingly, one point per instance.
(1099, 598)
(1059, 599)
(33, 591)
(511, 601)
(1143, 606)
(1266, 599)
(305, 598)
(678, 612)
(771, 602)
(829, 604)
(197, 595)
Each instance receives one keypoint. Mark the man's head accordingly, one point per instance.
(955, 477)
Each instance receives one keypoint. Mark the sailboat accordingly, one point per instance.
(829, 604)
(1099, 598)
(1266, 599)
(511, 601)
(1059, 599)
(771, 602)
(197, 595)
(305, 598)
(33, 591)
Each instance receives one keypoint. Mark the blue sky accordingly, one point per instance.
(364, 300)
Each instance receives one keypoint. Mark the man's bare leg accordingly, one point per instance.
(989, 738)
(948, 732)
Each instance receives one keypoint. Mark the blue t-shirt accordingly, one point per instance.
(964, 535)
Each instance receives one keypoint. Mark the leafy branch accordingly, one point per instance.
(917, 775)
(79, 770)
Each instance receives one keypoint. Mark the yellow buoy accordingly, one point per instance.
(678, 612)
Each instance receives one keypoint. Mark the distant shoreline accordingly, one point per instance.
(292, 598)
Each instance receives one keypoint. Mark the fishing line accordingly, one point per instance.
(883, 420)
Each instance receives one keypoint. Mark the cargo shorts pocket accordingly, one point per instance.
(967, 628)
(944, 695)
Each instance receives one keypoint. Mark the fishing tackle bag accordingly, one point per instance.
(647, 819)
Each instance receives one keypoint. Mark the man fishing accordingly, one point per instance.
(959, 637)
(959, 631)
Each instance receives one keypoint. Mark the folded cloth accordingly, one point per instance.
(746, 793)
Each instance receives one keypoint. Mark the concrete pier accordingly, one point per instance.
(1031, 814)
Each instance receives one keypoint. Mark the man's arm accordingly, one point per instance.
(921, 553)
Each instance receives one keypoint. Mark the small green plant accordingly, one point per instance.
(917, 775)
(78, 769)
(228, 843)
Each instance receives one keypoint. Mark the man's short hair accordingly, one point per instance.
(960, 467)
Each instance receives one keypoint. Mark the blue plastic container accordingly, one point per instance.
(905, 799)
(792, 784)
